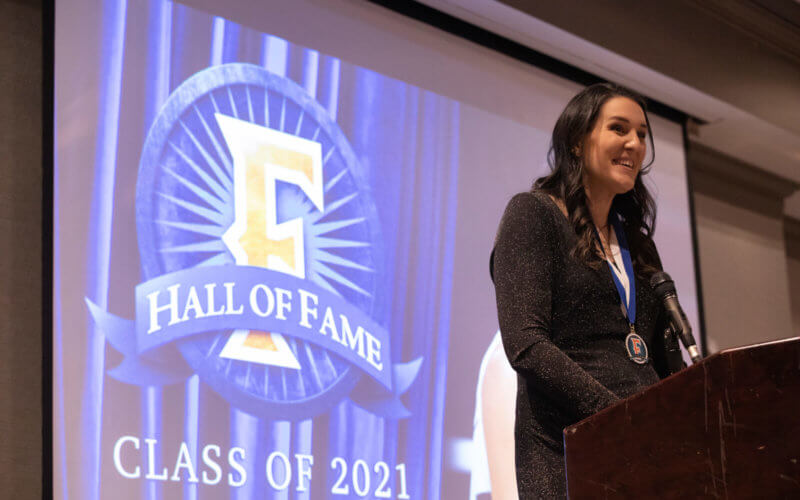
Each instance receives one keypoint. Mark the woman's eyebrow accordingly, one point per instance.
(623, 119)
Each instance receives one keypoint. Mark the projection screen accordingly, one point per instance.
(272, 230)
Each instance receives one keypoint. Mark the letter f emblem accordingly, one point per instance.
(261, 157)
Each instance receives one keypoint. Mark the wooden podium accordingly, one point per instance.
(727, 427)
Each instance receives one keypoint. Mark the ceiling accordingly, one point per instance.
(734, 65)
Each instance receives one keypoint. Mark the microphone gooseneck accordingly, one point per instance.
(664, 288)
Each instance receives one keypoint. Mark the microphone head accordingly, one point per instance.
(662, 284)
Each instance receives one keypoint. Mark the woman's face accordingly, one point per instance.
(614, 150)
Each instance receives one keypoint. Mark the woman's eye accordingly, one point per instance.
(642, 135)
(618, 128)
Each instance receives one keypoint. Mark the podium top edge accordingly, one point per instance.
(762, 344)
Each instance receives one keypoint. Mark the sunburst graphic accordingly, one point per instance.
(185, 204)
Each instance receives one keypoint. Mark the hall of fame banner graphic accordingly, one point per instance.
(259, 244)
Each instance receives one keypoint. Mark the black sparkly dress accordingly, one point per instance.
(564, 332)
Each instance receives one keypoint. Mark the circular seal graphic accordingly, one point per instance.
(185, 203)
(637, 349)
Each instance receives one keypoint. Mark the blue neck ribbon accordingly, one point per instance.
(630, 305)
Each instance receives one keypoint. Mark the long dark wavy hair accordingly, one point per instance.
(565, 181)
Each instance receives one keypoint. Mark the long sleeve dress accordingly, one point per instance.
(564, 331)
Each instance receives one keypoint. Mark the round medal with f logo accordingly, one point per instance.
(637, 348)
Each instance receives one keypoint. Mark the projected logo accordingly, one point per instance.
(260, 253)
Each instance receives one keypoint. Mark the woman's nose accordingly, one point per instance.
(633, 141)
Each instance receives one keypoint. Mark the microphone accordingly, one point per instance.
(664, 288)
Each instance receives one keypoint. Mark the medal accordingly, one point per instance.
(637, 349)
(635, 345)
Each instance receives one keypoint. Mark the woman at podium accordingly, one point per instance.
(571, 266)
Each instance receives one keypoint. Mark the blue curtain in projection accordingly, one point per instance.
(404, 161)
